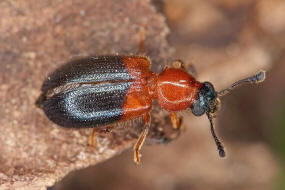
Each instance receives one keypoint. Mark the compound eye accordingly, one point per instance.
(197, 109)
(209, 91)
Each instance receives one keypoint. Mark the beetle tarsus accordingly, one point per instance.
(141, 139)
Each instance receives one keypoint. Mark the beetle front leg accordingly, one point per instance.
(175, 121)
(178, 64)
(141, 139)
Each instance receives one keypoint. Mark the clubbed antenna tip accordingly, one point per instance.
(260, 77)
(222, 153)
(257, 78)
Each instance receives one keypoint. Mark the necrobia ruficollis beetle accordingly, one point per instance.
(99, 91)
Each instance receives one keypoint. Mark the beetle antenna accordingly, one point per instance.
(257, 78)
(217, 141)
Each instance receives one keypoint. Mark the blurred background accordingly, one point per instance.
(251, 122)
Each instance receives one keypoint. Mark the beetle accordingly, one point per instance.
(99, 91)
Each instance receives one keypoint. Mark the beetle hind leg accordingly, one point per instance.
(141, 139)
(92, 138)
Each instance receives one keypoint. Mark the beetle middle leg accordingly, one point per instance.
(142, 34)
(141, 139)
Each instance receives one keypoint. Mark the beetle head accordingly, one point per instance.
(207, 101)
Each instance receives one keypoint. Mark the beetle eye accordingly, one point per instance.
(197, 109)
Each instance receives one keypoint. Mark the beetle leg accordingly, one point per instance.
(142, 32)
(93, 138)
(178, 64)
(141, 138)
(175, 121)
